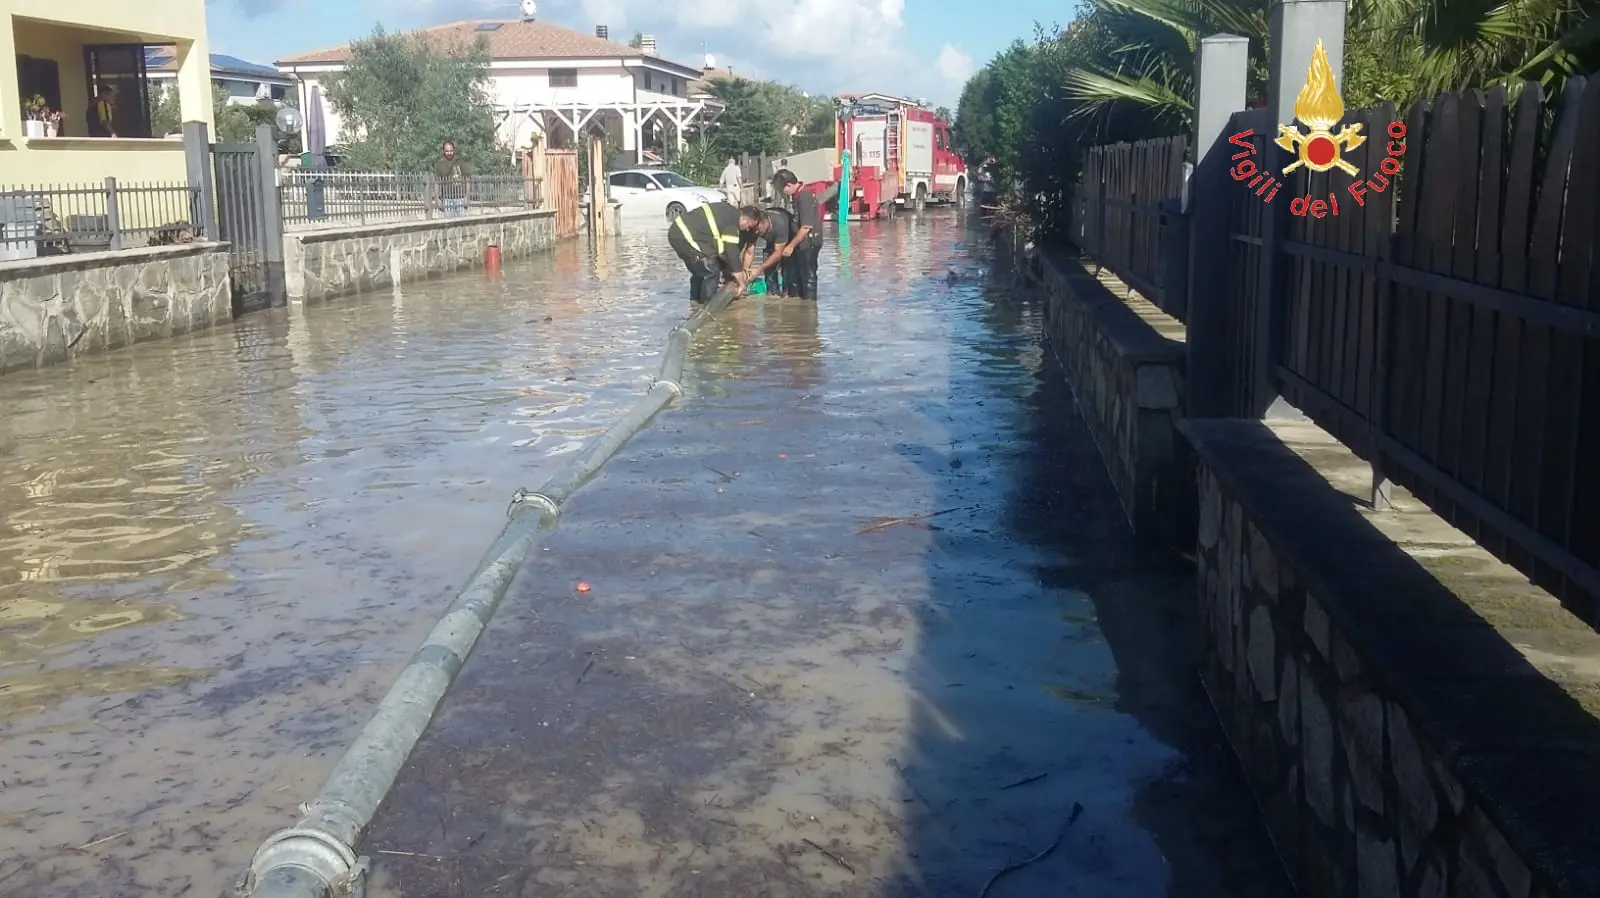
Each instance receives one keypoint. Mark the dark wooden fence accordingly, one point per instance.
(1126, 189)
(1446, 327)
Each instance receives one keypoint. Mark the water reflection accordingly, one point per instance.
(217, 551)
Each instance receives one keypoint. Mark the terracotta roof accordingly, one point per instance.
(703, 83)
(507, 40)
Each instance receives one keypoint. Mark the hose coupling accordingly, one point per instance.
(537, 500)
(310, 852)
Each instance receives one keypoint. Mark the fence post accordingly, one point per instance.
(1221, 83)
(113, 215)
(1295, 27)
(271, 215)
(197, 158)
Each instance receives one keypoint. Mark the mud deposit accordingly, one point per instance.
(863, 620)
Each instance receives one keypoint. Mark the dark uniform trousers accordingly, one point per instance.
(802, 268)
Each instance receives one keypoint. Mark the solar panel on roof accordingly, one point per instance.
(488, 26)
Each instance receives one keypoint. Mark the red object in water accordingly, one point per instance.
(491, 258)
(583, 586)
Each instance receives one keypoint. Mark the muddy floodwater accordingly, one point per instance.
(861, 617)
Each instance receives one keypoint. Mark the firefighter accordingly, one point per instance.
(715, 243)
(806, 243)
(776, 228)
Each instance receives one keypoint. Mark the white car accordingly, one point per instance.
(654, 191)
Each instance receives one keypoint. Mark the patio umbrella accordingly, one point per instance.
(316, 129)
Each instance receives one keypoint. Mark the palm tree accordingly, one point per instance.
(1141, 53)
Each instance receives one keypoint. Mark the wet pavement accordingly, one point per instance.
(216, 552)
(861, 619)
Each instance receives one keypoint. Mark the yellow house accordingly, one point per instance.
(68, 51)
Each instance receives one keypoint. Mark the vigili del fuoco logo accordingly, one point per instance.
(1319, 107)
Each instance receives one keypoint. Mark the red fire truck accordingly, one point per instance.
(900, 154)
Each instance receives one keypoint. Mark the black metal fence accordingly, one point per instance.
(54, 219)
(324, 198)
(1434, 306)
(1127, 193)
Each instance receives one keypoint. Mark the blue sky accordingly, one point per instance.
(923, 48)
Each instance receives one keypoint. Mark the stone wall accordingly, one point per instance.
(1415, 718)
(58, 307)
(330, 262)
(1124, 360)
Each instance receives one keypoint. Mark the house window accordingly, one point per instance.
(563, 77)
(120, 67)
(40, 77)
(279, 92)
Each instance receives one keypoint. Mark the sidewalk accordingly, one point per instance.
(862, 619)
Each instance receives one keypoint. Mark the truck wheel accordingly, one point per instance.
(922, 197)
(674, 210)
(961, 192)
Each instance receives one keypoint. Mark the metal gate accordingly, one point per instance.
(249, 219)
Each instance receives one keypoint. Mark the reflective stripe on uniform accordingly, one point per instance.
(716, 233)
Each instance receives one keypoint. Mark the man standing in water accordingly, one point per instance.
(805, 244)
(452, 181)
(715, 243)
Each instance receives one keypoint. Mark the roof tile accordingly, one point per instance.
(511, 40)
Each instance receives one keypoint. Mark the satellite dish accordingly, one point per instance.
(529, 10)
(289, 120)
(711, 61)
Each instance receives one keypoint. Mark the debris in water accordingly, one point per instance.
(87, 845)
(583, 586)
(831, 856)
(783, 455)
(916, 520)
(1024, 782)
(1071, 819)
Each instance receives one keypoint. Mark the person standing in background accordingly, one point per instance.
(452, 181)
(731, 180)
(101, 116)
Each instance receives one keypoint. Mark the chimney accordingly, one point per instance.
(602, 32)
(647, 44)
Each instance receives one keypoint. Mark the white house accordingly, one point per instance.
(550, 82)
(240, 80)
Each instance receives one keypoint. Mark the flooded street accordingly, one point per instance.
(860, 619)
(216, 552)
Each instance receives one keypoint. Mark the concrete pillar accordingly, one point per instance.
(197, 159)
(630, 134)
(194, 83)
(1295, 28)
(1221, 82)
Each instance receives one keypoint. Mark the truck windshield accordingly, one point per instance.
(673, 179)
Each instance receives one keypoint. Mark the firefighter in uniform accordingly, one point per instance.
(715, 244)
(776, 228)
(805, 243)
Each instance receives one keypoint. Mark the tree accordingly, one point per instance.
(637, 42)
(943, 114)
(749, 122)
(401, 96)
(165, 115)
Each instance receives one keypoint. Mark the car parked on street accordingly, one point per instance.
(655, 191)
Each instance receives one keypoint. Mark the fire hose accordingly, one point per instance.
(318, 856)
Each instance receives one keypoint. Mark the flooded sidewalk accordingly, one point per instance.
(216, 552)
(860, 619)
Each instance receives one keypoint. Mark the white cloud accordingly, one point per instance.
(955, 65)
(819, 45)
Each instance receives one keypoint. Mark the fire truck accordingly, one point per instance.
(900, 154)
